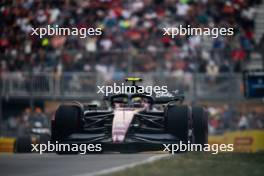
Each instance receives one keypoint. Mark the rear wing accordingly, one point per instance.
(173, 96)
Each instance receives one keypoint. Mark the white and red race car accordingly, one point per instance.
(131, 122)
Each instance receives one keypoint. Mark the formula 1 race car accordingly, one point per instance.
(131, 122)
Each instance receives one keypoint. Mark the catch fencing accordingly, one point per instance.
(83, 85)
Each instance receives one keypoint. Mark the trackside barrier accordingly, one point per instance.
(244, 141)
(7, 145)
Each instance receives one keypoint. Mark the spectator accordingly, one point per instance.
(243, 123)
(127, 25)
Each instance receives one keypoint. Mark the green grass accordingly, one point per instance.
(201, 164)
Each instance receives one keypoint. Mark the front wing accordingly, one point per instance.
(136, 141)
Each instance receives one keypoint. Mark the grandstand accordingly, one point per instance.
(35, 71)
(125, 24)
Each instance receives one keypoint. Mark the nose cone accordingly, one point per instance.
(121, 123)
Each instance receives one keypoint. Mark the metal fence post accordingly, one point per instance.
(130, 64)
(61, 88)
(194, 87)
(1, 104)
(31, 99)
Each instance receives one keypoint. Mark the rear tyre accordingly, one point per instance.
(177, 121)
(200, 125)
(67, 121)
(23, 144)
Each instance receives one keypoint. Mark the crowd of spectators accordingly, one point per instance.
(132, 35)
(227, 118)
(19, 123)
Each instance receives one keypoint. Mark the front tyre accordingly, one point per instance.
(178, 121)
(200, 125)
(67, 121)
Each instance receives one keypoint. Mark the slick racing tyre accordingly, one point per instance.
(67, 121)
(200, 125)
(177, 121)
(22, 145)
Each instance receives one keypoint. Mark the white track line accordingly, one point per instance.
(126, 166)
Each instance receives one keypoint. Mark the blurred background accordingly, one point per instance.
(38, 74)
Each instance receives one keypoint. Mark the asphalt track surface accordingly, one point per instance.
(64, 165)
